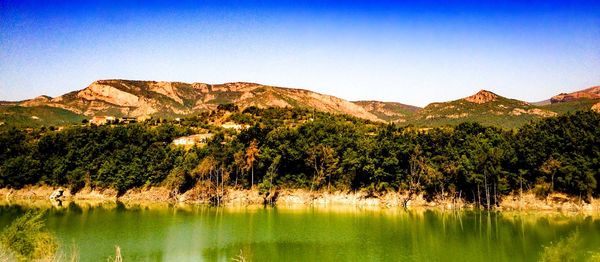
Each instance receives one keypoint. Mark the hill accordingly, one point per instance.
(484, 107)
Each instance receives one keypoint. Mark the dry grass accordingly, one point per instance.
(118, 257)
(240, 257)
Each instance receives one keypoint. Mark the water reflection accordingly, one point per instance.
(173, 232)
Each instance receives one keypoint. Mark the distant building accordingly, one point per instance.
(127, 120)
(232, 125)
(192, 140)
(102, 120)
(143, 118)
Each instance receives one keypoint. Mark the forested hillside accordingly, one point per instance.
(299, 148)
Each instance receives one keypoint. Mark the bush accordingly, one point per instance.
(27, 238)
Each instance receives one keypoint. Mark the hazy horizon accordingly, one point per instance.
(414, 53)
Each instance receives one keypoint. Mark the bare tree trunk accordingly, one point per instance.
(495, 194)
(217, 188)
(237, 174)
(478, 196)
(521, 190)
(314, 177)
(487, 192)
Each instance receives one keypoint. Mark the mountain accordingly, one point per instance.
(591, 93)
(484, 107)
(389, 111)
(128, 98)
(148, 98)
(570, 102)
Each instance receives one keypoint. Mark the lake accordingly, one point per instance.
(199, 233)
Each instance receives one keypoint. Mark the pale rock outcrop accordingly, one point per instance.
(145, 108)
(57, 194)
(166, 88)
(533, 111)
(201, 87)
(108, 94)
(596, 107)
(482, 97)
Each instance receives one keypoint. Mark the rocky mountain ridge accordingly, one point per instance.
(132, 98)
(589, 93)
(146, 98)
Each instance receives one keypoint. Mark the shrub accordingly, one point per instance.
(27, 238)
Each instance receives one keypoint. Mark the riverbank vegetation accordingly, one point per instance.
(298, 148)
(27, 239)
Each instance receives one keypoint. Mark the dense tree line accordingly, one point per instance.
(298, 148)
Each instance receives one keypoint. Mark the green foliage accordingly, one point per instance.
(571, 106)
(228, 107)
(27, 239)
(300, 148)
(35, 116)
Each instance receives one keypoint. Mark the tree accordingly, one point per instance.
(239, 161)
(325, 164)
(416, 169)
(251, 154)
(549, 168)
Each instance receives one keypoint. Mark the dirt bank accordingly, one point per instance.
(236, 197)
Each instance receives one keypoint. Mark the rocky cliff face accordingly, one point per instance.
(109, 94)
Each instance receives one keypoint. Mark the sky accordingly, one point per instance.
(414, 52)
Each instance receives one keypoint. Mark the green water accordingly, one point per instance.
(199, 233)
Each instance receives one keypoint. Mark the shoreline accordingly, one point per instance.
(298, 197)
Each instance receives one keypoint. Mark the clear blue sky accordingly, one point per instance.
(411, 52)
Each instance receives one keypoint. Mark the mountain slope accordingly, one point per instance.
(589, 93)
(484, 107)
(147, 98)
(35, 116)
(389, 111)
(571, 106)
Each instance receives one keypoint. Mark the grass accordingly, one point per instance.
(571, 106)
